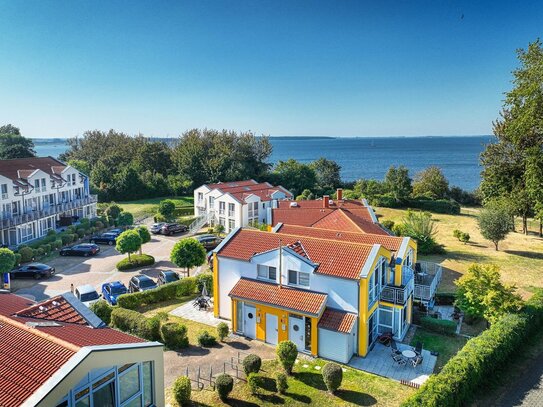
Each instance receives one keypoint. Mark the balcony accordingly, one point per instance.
(427, 279)
(397, 295)
(10, 220)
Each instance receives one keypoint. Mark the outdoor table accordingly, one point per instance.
(409, 354)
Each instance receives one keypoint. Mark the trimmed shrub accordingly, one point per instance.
(386, 201)
(440, 326)
(174, 335)
(206, 340)
(103, 310)
(67, 238)
(252, 364)
(17, 258)
(57, 244)
(39, 252)
(46, 248)
(332, 376)
(481, 359)
(224, 385)
(159, 218)
(253, 382)
(98, 225)
(287, 354)
(222, 331)
(136, 260)
(181, 390)
(51, 232)
(26, 254)
(207, 279)
(80, 232)
(281, 382)
(179, 289)
(132, 322)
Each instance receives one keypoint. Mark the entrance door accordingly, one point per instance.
(271, 329)
(296, 331)
(249, 321)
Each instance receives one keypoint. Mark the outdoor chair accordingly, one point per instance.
(418, 268)
(399, 360)
(418, 348)
(394, 348)
(417, 361)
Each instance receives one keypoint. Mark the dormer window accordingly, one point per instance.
(267, 272)
(298, 278)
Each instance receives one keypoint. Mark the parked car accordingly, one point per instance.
(83, 249)
(209, 241)
(111, 291)
(141, 283)
(87, 294)
(33, 270)
(115, 231)
(171, 228)
(104, 238)
(167, 276)
(156, 228)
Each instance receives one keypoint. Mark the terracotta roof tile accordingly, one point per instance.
(55, 309)
(347, 221)
(299, 216)
(11, 168)
(304, 301)
(334, 258)
(232, 184)
(318, 203)
(336, 320)
(391, 243)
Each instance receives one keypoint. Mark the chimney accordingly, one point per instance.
(339, 194)
(325, 201)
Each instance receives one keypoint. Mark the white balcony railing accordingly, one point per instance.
(427, 281)
(397, 295)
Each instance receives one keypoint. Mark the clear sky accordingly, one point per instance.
(282, 67)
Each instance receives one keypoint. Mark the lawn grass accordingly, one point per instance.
(166, 306)
(148, 207)
(446, 346)
(306, 387)
(520, 257)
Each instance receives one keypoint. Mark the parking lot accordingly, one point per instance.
(96, 270)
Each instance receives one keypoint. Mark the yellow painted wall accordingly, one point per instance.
(314, 336)
(234, 315)
(216, 285)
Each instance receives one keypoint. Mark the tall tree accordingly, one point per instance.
(188, 253)
(398, 183)
(128, 242)
(495, 222)
(431, 183)
(328, 175)
(295, 176)
(13, 144)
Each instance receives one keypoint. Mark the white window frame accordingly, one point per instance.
(297, 283)
(222, 207)
(266, 270)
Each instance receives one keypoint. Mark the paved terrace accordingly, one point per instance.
(379, 362)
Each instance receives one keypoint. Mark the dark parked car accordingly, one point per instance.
(83, 249)
(209, 241)
(111, 291)
(33, 270)
(141, 283)
(167, 276)
(104, 238)
(171, 228)
(116, 232)
(156, 228)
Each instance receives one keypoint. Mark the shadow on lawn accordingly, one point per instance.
(300, 398)
(311, 379)
(237, 345)
(355, 397)
(522, 253)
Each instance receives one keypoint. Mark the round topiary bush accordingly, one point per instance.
(181, 390)
(253, 382)
(252, 364)
(206, 340)
(332, 376)
(222, 331)
(102, 310)
(224, 385)
(287, 354)
(174, 335)
(281, 383)
(26, 254)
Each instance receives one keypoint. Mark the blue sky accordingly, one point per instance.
(282, 68)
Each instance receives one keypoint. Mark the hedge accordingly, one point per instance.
(440, 326)
(26, 254)
(437, 206)
(182, 288)
(136, 260)
(103, 310)
(174, 335)
(481, 359)
(135, 323)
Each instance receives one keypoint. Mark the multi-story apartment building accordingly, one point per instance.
(236, 204)
(39, 194)
(331, 293)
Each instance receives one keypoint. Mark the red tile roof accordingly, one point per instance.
(299, 216)
(27, 360)
(318, 203)
(334, 258)
(304, 301)
(232, 184)
(346, 220)
(17, 167)
(336, 320)
(55, 309)
(391, 243)
(242, 189)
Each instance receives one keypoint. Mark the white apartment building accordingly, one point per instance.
(236, 204)
(39, 194)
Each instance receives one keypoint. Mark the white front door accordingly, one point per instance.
(296, 331)
(249, 321)
(271, 329)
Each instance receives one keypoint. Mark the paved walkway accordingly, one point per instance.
(379, 362)
(188, 311)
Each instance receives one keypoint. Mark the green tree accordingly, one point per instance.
(295, 176)
(128, 242)
(166, 208)
(305, 195)
(145, 236)
(534, 183)
(13, 144)
(327, 174)
(431, 183)
(7, 261)
(188, 253)
(81, 165)
(113, 211)
(125, 219)
(369, 188)
(398, 183)
(421, 227)
(495, 222)
(481, 294)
